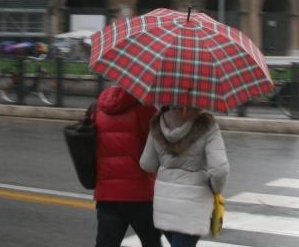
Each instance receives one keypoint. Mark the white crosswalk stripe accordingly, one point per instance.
(285, 183)
(266, 199)
(252, 222)
(286, 226)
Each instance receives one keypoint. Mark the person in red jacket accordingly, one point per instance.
(123, 191)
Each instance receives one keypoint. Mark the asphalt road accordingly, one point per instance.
(43, 204)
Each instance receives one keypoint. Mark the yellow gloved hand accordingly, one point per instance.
(217, 215)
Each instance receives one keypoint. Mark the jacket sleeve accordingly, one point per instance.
(217, 162)
(149, 159)
(145, 115)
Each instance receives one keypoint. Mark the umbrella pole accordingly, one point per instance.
(189, 13)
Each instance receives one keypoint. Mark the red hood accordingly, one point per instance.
(115, 99)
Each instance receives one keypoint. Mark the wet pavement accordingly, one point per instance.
(34, 157)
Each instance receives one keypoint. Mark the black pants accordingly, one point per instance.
(114, 219)
(177, 239)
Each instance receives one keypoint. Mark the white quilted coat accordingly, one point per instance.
(191, 163)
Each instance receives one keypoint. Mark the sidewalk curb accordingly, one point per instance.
(226, 123)
(41, 112)
(259, 125)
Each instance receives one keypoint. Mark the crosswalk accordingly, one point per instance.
(134, 241)
(252, 219)
(268, 214)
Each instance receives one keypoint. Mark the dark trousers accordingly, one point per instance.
(177, 239)
(114, 219)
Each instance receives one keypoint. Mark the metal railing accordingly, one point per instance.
(285, 74)
(18, 73)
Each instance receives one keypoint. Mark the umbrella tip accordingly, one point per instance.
(189, 13)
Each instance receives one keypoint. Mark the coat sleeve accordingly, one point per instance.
(145, 114)
(217, 162)
(149, 159)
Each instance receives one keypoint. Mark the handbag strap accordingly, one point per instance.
(91, 112)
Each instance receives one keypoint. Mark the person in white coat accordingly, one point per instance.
(186, 149)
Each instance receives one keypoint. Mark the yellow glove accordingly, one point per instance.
(217, 216)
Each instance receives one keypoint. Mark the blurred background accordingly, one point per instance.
(272, 25)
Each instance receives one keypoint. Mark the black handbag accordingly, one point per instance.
(81, 142)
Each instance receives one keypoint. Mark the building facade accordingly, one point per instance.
(23, 18)
(272, 25)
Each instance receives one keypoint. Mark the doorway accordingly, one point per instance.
(276, 27)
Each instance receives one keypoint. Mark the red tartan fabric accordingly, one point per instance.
(161, 58)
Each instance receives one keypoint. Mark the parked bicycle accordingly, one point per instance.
(41, 86)
(287, 94)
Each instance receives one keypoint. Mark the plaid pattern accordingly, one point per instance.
(163, 59)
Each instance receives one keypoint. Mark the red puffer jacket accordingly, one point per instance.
(122, 126)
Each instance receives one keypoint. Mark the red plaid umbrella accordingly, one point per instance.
(168, 57)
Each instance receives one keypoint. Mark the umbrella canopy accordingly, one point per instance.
(24, 45)
(22, 48)
(80, 34)
(168, 57)
(7, 46)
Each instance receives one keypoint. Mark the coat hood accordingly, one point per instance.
(114, 100)
(177, 140)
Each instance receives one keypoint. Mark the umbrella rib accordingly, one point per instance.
(236, 71)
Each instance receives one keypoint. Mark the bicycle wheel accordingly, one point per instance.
(285, 100)
(8, 92)
(46, 91)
